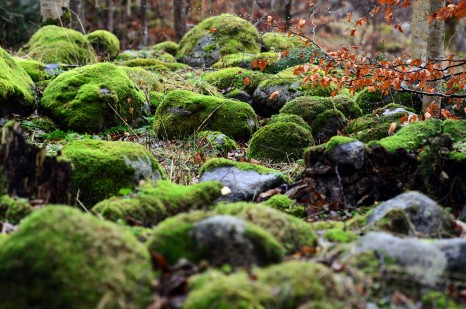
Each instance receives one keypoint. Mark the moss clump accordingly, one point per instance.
(15, 87)
(285, 204)
(230, 79)
(231, 35)
(52, 44)
(86, 261)
(439, 300)
(339, 235)
(370, 101)
(35, 69)
(215, 141)
(295, 57)
(280, 142)
(287, 285)
(244, 166)
(291, 232)
(105, 44)
(309, 107)
(155, 98)
(328, 124)
(93, 98)
(245, 61)
(167, 46)
(413, 136)
(13, 210)
(290, 118)
(184, 112)
(150, 63)
(173, 239)
(154, 202)
(102, 168)
(279, 41)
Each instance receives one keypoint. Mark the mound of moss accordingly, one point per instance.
(52, 44)
(279, 41)
(215, 37)
(183, 113)
(205, 236)
(287, 285)
(370, 101)
(280, 142)
(246, 61)
(230, 79)
(35, 69)
(102, 168)
(13, 210)
(154, 202)
(290, 118)
(105, 44)
(85, 261)
(93, 98)
(167, 46)
(292, 233)
(15, 87)
(284, 204)
(214, 141)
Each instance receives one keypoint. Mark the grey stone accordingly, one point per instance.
(244, 185)
(349, 154)
(423, 215)
(455, 253)
(199, 56)
(264, 106)
(143, 168)
(423, 261)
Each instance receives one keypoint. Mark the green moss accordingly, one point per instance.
(105, 44)
(167, 46)
(13, 210)
(280, 142)
(279, 41)
(173, 240)
(336, 141)
(167, 58)
(150, 63)
(52, 44)
(328, 124)
(370, 101)
(411, 137)
(285, 204)
(3, 238)
(86, 261)
(287, 285)
(155, 98)
(15, 87)
(230, 79)
(245, 61)
(325, 225)
(310, 107)
(102, 168)
(290, 118)
(244, 166)
(339, 235)
(438, 300)
(291, 232)
(216, 141)
(93, 98)
(295, 57)
(184, 112)
(35, 69)
(232, 35)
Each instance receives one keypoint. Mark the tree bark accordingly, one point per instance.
(110, 11)
(144, 33)
(179, 14)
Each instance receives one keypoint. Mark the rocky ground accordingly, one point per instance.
(207, 174)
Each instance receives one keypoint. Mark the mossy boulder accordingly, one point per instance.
(102, 168)
(167, 46)
(217, 36)
(13, 210)
(52, 44)
(279, 41)
(35, 69)
(230, 79)
(217, 239)
(184, 112)
(289, 284)
(280, 142)
(154, 202)
(15, 87)
(328, 124)
(105, 44)
(246, 61)
(284, 204)
(93, 98)
(370, 101)
(86, 261)
(375, 126)
(290, 118)
(215, 142)
(292, 233)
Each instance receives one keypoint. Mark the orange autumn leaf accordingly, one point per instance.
(348, 17)
(285, 53)
(255, 63)
(427, 115)
(274, 95)
(246, 80)
(213, 30)
(392, 128)
(353, 31)
(301, 23)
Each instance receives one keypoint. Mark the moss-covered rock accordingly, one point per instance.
(35, 69)
(246, 61)
(290, 118)
(154, 202)
(328, 124)
(86, 261)
(230, 79)
(214, 163)
(339, 235)
(102, 168)
(370, 101)
(155, 98)
(217, 36)
(285, 204)
(167, 46)
(201, 235)
(52, 44)
(280, 142)
(184, 112)
(279, 41)
(296, 56)
(105, 44)
(13, 210)
(214, 141)
(93, 98)
(287, 285)
(15, 87)
(291, 232)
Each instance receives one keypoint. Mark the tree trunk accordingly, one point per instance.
(179, 14)
(144, 33)
(53, 10)
(110, 11)
(428, 39)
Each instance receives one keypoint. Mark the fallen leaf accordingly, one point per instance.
(212, 30)
(246, 80)
(392, 128)
(274, 95)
